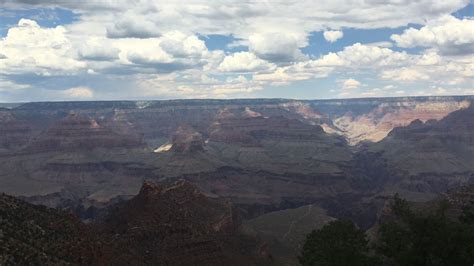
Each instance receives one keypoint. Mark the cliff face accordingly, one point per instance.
(378, 122)
(250, 130)
(264, 154)
(187, 140)
(32, 234)
(431, 156)
(167, 225)
(75, 151)
(357, 120)
(336, 158)
(178, 225)
(77, 132)
(14, 133)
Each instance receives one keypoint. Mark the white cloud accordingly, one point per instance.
(7, 85)
(181, 45)
(450, 35)
(404, 74)
(333, 36)
(434, 68)
(244, 62)
(349, 88)
(233, 16)
(28, 48)
(158, 45)
(430, 58)
(350, 84)
(441, 91)
(295, 72)
(78, 93)
(173, 51)
(133, 27)
(235, 85)
(368, 55)
(95, 50)
(277, 46)
(384, 44)
(194, 85)
(360, 55)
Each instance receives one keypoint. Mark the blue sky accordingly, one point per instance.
(94, 50)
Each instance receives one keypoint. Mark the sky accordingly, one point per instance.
(67, 50)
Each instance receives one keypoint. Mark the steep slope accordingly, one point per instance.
(78, 132)
(380, 117)
(178, 225)
(456, 203)
(186, 139)
(256, 161)
(253, 151)
(78, 154)
(167, 225)
(38, 235)
(355, 119)
(249, 141)
(277, 144)
(286, 230)
(431, 156)
(14, 133)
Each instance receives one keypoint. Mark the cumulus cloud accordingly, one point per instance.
(348, 88)
(366, 55)
(404, 74)
(431, 67)
(333, 36)
(357, 56)
(157, 45)
(8, 85)
(197, 85)
(307, 15)
(441, 91)
(174, 51)
(28, 48)
(363, 56)
(296, 72)
(181, 45)
(97, 51)
(244, 62)
(350, 84)
(276, 47)
(133, 27)
(239, 84)
(78, 93)
(450, 35)
(428, 59)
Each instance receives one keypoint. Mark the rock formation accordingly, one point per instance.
(78, 132)
(14, 133)
(168, 225)
(186, 139)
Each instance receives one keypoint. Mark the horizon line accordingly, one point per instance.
(242, 98)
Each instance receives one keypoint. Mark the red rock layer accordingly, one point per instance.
(76, 133)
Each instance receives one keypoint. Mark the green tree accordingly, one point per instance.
(414, 238)
(468, 214)
(339, 242)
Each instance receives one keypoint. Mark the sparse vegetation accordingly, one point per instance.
(36, 235)
(407, 237)
(337, 243)
(416, 238)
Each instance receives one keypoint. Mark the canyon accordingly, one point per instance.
(290, 165)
